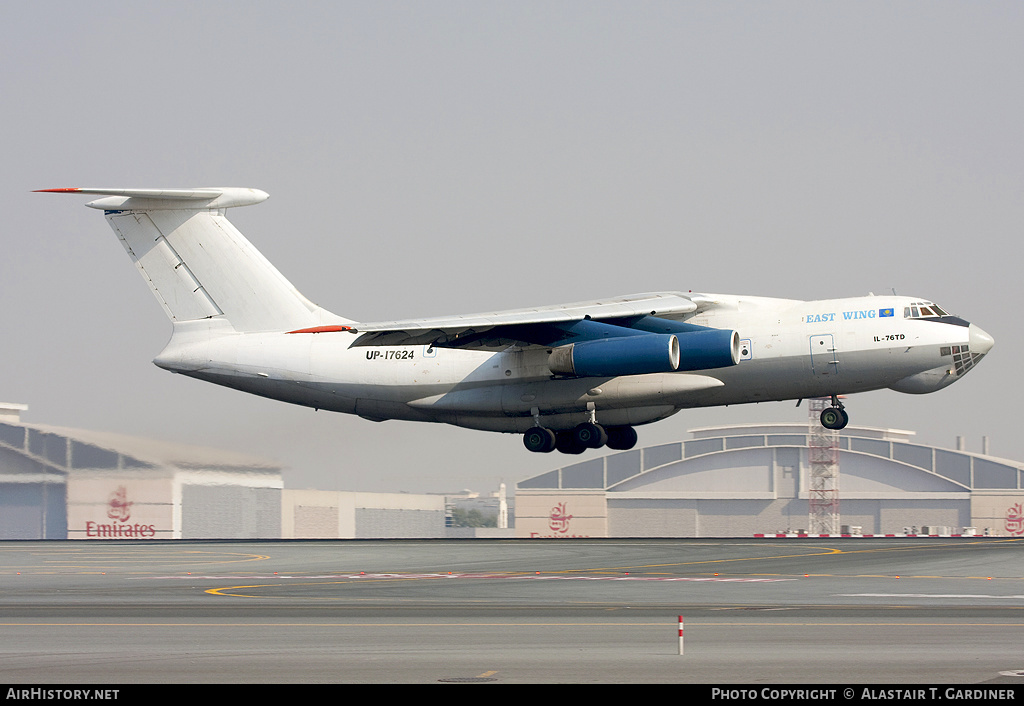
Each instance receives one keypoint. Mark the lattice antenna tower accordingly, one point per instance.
(823, 457)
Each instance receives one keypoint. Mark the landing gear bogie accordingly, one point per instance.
(621, 438)
(539, 440)
(565, 442)
(588, 435)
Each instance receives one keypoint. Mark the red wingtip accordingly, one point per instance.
(56, 191)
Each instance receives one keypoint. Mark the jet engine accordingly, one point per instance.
(711, 348)
(647, 353)
(610, 357)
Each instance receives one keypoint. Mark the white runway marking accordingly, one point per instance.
(925, 595)
(535, 577)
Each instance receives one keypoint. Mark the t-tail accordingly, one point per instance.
(198, 265)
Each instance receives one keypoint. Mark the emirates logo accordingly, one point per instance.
(559, 519)
(1015, 519)
(119, 508)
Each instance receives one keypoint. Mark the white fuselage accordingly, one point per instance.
(789, 350)
(567, 376)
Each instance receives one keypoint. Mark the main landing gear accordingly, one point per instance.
(588, 435)
(834, 417)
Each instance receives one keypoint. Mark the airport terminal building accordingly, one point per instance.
(741, 481)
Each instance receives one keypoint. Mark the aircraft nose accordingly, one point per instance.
(980, 342)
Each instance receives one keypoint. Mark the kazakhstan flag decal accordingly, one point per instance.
(884, 312)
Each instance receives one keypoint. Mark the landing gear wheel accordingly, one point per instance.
(590, 435)
(621, 438)
(565, 441)
(539, 440)
(834, 418)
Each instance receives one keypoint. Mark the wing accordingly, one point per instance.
(543, 326)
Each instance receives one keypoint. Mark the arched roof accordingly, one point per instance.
(927, 468)
(62, 450)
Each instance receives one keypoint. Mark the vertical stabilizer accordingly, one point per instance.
(198, 265)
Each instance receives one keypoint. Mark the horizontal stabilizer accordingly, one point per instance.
(163, 199)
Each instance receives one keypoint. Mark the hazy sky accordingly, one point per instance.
(428, 158)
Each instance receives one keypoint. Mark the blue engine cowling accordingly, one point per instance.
(711, 348)
(609, 357)
(647, 353)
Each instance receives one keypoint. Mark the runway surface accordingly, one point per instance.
(857, 611)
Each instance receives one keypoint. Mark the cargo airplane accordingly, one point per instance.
(567, 377)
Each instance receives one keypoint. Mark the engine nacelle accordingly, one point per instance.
(610, 357)
(711, 348)
(647, 353)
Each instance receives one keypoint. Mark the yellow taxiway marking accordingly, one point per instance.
(92, 559)
(222, 591)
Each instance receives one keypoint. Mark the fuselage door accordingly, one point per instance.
(823, 355)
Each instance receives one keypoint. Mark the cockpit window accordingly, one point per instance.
(919, 310)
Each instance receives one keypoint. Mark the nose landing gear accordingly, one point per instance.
(834, 417)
